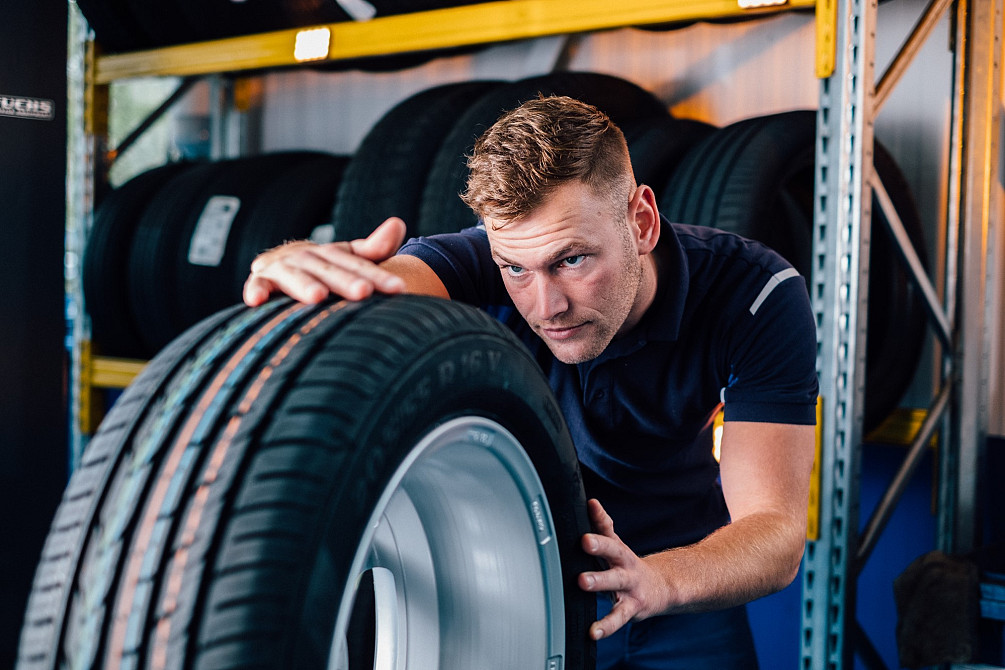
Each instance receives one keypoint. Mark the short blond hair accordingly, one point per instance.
(542, 144)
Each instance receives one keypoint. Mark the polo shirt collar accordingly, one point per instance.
(663, 318)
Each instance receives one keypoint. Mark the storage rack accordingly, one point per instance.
(850, 98)
(849, 101)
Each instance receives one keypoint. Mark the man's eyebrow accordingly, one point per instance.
(572, 249)
(500, 260)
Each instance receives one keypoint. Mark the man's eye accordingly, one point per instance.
(514, 270)
(573, 261)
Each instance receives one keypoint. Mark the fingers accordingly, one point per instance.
(619, 576)
(621, 579)
(599, 519)
(383, 242)
(257, 290)
(308, 279)
(310, 272)
(622, 612)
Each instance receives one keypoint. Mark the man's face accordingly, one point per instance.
(573, 270)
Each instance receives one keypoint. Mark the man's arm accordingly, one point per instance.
(309, 272)
(765, 469)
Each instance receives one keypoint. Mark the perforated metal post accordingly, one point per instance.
(839, 279)
(87, 104)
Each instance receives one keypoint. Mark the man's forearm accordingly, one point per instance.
(744, 560)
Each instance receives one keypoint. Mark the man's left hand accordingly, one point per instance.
(638, 590)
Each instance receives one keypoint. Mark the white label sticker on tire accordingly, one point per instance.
(209, 241)
(323, 234)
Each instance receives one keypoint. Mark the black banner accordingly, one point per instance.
(33, 435)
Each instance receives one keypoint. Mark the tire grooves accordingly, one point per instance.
(168, 479)
(102, 456)
(177, 387)
(185, 644)
(700, 178)
(169, 600)
(351, 344)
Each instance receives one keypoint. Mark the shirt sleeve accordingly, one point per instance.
(463, 262)
(772, 369)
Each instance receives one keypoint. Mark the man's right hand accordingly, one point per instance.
(309, 272)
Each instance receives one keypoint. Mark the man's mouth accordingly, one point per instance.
(561, 333)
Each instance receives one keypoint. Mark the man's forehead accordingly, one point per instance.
(529, 246)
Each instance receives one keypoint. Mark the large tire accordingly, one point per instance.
(755, 178)
(394, 473)
(442, 210)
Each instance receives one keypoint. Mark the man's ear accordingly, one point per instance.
(644, 217)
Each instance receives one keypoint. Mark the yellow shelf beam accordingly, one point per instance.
(482, 23)
(114, 373)
(900, 427)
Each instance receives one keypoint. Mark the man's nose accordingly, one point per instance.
(551, 298)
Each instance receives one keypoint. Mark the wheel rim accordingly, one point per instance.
(459, 562)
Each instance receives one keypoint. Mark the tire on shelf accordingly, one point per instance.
(442, 210)
(271, 199)
(106, 258)
(755, 177)
(296, 205)
(182, 247)
(387, 174)
(286, 482)
(658, 144)
(151, 278)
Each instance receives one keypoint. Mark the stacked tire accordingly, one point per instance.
(756, 178)
(173, 245)
(413, 163)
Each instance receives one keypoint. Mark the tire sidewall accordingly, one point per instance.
(470, 376)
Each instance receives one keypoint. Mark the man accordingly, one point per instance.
(643, 328)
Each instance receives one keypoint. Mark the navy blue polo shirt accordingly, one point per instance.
(731, 323)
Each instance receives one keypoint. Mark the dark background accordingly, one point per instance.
(33, 433)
